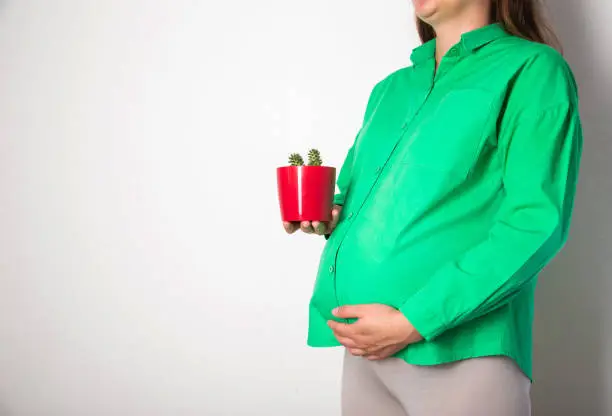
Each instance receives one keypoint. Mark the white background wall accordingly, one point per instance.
(143, 269)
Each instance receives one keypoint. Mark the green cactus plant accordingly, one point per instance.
(314, 158)
(295, 159)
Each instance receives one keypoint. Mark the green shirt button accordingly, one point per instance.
(331, 269)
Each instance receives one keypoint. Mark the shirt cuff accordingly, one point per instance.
(425, 320)
(339, 199)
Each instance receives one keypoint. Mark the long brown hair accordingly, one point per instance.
(523, 18)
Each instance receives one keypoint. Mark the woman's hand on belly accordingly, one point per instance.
(379, 332)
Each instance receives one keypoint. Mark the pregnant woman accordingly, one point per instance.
(455, 194)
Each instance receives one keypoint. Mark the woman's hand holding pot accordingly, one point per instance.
(315, 227)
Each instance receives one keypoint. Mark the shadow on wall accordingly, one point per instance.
(3, 410)
(570, 354)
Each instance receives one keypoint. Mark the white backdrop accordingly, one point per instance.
(143, 268)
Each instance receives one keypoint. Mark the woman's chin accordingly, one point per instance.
(425, 9)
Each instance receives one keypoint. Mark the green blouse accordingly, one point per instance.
(457, 191)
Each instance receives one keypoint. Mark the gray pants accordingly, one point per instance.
(489, 386)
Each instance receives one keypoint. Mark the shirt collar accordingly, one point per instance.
(422, 53)
(480, 37)
(470, 41)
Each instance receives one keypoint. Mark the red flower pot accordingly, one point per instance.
(306, 193)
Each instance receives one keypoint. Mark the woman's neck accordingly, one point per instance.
(449, 33)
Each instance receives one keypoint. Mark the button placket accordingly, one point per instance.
(378, 169)
(448, 61)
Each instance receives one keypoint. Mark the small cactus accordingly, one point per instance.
(314, 158)
(295, 159)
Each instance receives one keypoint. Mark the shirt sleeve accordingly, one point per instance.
(541, 165)
(344, 177)
(344, 180)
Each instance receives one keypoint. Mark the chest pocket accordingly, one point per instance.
(452, 137)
